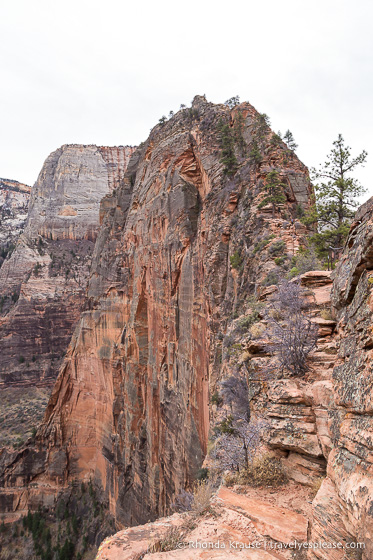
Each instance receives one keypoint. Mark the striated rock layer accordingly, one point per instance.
(345, 498)
(174, 261)
(14, 201)
(43, 282)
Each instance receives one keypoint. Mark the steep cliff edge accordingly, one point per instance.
(43, 282)
(346, 496)
(175, 261)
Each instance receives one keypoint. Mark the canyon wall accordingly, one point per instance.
(175, 262)
(43, 281)
(345, 498)
(14, 201)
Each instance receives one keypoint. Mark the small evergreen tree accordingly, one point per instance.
(233, 101)
(228, 157)
(274, 190)
(261, 129)
(336, 196)
(288, 138)
(238, 128)
(255, 155)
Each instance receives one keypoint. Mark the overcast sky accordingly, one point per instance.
(105, 72)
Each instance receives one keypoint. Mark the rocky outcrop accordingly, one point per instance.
(234, 527)
(177, 256)
(14, 201)
(345, 498)
(43, 282)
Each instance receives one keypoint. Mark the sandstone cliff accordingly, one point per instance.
(43, 282)
(14, 200)
(175, 262)
(345, 498)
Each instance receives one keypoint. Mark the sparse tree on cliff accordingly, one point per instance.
(336, 196)
(288, 138)
(274, 191)
(228, 156)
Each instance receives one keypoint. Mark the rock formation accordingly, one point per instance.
(43, 282)
(185, 240)
(345, 498)
(14, 200)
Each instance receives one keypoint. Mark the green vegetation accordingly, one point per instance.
(225, 426)
(20, 412)
(277, 248)
(228, 157)
(263, 243)
(236, 260)
(271, 279)
(68, 531)
(274, 191)
(216, 399)
(336, 197)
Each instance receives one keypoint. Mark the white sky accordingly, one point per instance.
(105, 72)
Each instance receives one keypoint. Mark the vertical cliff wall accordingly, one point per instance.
(345, 498)
(43, 282)
(175, 259)
(14, 201)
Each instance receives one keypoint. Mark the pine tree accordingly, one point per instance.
(238, 129)
(336, 196)
(289, 141)
(228, 157)
(274, 190)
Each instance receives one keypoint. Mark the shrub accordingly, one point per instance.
(257, 330)
(294, 272)
(202, 495)
(249, 320)
(236, 260)
(225, 426)
(21, 360)
(170, 540)
(216, 399)
(326, 314)
(293, 333)
(263, 471)
(271, 279)
(202, 473)
(277, 248)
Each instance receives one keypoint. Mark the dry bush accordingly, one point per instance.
(257, 330)
(326, 314)
(170, 540)
(294, 335)
(316, 486)
(263, 471)
(202, 496)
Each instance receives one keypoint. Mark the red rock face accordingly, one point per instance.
(131, 405)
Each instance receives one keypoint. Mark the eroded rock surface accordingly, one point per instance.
(176, 258)
(345, 499)
(14, 201)
(43, 282)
